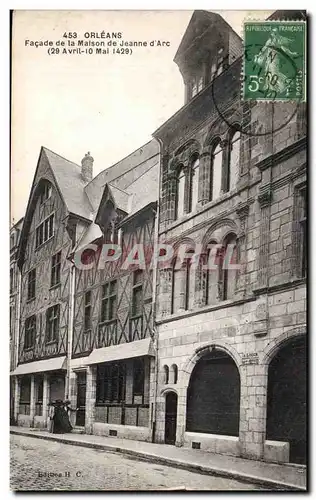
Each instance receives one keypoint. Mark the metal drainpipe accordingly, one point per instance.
(154, 299)
(70, 325)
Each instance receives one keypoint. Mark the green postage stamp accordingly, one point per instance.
(274, 60)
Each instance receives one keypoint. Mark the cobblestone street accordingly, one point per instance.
(42, 465)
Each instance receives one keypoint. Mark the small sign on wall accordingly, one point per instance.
(250, 358)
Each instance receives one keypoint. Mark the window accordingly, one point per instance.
(11, 321)
(110, 383)
(181, 285)
(303, 233)
(40, 390)
(212, 273)
(180, 194)
(216, 172)
(108, 301)
(45, 230)
(166, 374)
(55, 272)
(52, 323)
(46, 192)
(233, 164)
(174, 374)
(195, 183)
(31, 284)
(220, 61)
(137, 301)
(11, 280)
(228, 274)
(87, 311)
(197, 84)
(30, 332)
(138, 377)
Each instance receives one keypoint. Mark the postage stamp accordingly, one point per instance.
(274, 60)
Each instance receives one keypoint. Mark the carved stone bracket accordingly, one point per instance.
(265, 196)
(242, 212)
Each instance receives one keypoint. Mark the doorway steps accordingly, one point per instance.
(78, 430)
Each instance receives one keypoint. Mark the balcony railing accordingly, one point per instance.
(107, 334)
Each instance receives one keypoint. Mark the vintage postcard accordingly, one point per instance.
(158, 245)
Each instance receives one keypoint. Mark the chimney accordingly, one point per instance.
(87, 167)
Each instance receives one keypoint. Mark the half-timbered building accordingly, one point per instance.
(56, 208)
(232, 356)
(15, 233)
(112, 365)
(86, 335)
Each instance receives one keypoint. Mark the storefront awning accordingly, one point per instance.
(122, 351)
(43, 365)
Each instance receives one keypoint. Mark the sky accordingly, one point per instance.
(106, 104)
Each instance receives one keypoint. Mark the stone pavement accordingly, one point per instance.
(284, 477)
(42, 465)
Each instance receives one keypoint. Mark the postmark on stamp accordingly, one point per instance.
(274, 59)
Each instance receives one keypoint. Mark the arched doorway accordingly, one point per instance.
(171, 417)
(286, 402)
(214, 395)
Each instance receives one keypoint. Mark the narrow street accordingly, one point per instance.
(37, 464)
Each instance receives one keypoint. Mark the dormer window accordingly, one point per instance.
(197, 84)
(46, 193)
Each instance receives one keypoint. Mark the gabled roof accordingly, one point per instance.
(70, 183)
(200, 21)
(123, 173)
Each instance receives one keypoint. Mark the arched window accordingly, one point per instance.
(174, 371)
(216, 172)
(212, 273)
(166, 374)
(46, 191)
(180, 193)
(228, 271)
(233, 165)
(194, 182)
(182, 285)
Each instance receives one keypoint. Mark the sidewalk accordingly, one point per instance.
(283, 477)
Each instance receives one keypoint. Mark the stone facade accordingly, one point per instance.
(264, 211)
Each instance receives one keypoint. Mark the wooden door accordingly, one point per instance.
(81, 399)
(171, 418)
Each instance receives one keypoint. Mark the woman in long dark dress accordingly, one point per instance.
(61, 419)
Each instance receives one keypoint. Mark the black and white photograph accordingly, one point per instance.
(158, 251)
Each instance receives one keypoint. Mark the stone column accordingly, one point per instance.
(32, 400)
(242, 213)
(182, 278)
(73, 397)
(253, 397)
(204, 177)
(181, 416)
(187, 187)
(90, 398)
(165, 291)
(225, 144)
(46, 397)
(201, 282)
(17, 394)
(264, 198)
